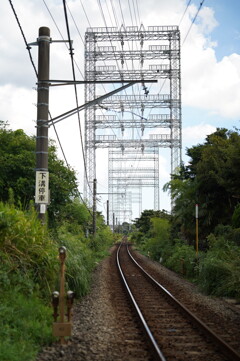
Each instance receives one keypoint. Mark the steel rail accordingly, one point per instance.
(158, 353)
(225, 348)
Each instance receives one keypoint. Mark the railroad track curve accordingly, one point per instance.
(172, 331)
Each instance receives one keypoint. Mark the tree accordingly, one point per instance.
(143, 223)
(211, 179)
(17, 172)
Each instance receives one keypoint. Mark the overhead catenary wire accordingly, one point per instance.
(75, 89)
(24, 38)
(193, 21)
(105, 22)
(60, 33)
(189, 29)
(73, 62)
(83, 40)
(36, 73)
(103, 16)
(188, 4)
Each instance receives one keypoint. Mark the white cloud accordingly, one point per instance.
(17, 107)
(197, 133)
(208, 83)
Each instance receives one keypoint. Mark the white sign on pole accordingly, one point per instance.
(41, 190)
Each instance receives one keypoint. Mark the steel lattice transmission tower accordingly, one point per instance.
(124, 122)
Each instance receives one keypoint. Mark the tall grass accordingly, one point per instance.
(29, 272)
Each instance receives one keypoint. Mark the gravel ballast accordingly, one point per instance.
(97, 330)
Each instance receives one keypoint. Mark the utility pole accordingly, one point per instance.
(94, 206)
(42, 176)
(107, 212)
(113, 222)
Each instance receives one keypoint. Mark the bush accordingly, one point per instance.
(29, 267)
(219, 272)
(25, 246)
(156, 242)
(182, 260)
(79, 263)
(26, 325)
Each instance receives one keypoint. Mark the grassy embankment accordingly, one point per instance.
(29, 272)
(216, 270)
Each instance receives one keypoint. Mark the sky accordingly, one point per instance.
(210, 67)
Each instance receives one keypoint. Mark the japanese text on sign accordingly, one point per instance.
(41, 191)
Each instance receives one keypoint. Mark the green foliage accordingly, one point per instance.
(16, 164)
(211, 179)
(29, 265)
(63, 187)
(143, 224)
(219, 272)
(25, 325)
(157, 244)
(216, 270)
(29, 272)
(17, 172)
(182, 260)
(79, 263)
(25, 246)
(236, 217)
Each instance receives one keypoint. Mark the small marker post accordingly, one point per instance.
(196, 215)
(60, 301)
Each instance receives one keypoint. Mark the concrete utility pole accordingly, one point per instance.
(94, 206)
(42, 177)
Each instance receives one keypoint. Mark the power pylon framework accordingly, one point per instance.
(123, 123)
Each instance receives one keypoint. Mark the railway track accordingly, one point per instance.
(173, 332)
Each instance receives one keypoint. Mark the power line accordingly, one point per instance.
(135, 15)
(138, 11)
(121, 12)
(189, 2)
(35, 70)
(55, 23)
(24, 38)
(104, 61)
(75, 89)
(36, 73)
(104, 19)
(85, 14)
(195, 17)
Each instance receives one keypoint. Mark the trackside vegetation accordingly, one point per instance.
(29, 265)
(211, 179)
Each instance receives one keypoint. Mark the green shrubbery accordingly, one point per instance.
(25, 324)
(219, 271)
(29, 265)
(29, 272)
(25, 247)
(216, 271)
(182, 260)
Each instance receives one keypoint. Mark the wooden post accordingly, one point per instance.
(62, 328)
(62, 257)
(196, 230)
